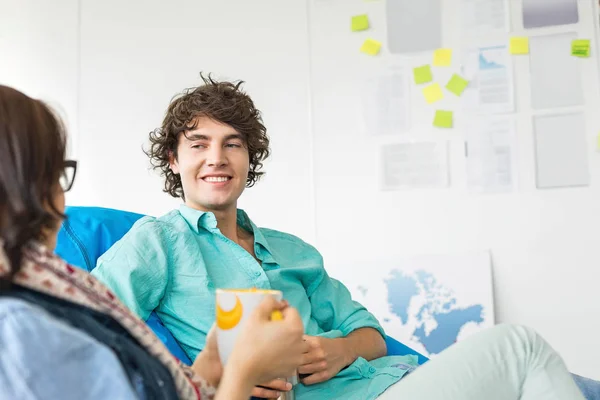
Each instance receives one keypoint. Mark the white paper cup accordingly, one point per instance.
(233, 308)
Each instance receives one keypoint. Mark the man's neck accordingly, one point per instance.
(227, 224)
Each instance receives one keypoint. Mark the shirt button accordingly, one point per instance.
(372, 370)
(257, 273)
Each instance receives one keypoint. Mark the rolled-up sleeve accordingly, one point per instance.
(43, 358)
(136, 267)
(334, 309)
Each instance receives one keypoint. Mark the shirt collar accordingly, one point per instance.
(197, 220)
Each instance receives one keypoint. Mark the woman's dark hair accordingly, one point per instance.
(224, 102)
(32, 159)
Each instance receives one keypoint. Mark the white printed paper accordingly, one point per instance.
(484, 17)
(415, 165)
(491, 155)
(386, 103)
(490, 75)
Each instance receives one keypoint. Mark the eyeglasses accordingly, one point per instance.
(68, 175)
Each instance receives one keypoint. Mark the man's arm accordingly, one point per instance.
(366, 343)
(351, 332)
(136, 267)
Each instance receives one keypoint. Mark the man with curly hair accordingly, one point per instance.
(210, 147)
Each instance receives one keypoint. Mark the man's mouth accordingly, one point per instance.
(216, 179)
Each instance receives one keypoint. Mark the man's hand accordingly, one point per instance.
(324, 359)
(272, 390)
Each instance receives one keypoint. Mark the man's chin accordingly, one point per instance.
(219, 206)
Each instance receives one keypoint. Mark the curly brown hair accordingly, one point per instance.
(224, 102)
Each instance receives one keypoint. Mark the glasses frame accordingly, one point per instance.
(69, 164)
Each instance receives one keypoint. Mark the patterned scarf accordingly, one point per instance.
(43, 271)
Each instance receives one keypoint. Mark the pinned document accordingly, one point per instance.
(457, 84)
(519, 45)
(580, 47)
(433, 93)
(443, 119)
(371, 47)
(442, 58)
(359, 23)
(422, 74)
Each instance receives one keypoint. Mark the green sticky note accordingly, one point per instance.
(422, 74)
(360, 23)
(457, 84)
(580, 47)
(443, 119)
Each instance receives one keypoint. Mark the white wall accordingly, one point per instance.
(115, 73)
(137, 54)
(39, 53)
(544, 244)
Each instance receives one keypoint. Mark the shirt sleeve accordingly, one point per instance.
(43, 358)
(136, 267)
(333, 308)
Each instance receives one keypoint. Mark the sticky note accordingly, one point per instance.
(442, 57)
(580, 47)
(422, 74)
(360, 23)
(598, 142)
(519, 45)
(457, 84)
(443, 119)
(371, 47)
(433, 93)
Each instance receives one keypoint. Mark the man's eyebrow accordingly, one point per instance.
(234, 136)
(196, 136)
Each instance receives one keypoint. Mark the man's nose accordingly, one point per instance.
(216, 158)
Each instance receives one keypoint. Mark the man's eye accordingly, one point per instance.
(197, 146)
(235, 145)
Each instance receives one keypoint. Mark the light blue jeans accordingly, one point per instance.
(589, 387)
(507, 362)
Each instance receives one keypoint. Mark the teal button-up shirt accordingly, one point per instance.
(174, 263)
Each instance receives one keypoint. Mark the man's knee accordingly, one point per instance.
(518, 335)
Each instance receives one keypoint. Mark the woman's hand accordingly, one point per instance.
(208, 363)
(266, 350)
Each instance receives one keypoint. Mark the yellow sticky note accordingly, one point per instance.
(359, 23)
(598, 142)
(422, 74)
(442, 57)
(519, 45)
(580, 47)
(371, 47)
(457, 84)
(443, 119)
(433, 93)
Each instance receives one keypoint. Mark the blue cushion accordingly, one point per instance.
(395, 348)
(87, 233)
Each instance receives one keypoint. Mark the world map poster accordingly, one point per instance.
(429, 302)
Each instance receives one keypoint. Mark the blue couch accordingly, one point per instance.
(89, 231)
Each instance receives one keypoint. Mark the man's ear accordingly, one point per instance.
(173, 164)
